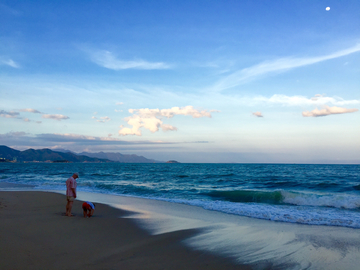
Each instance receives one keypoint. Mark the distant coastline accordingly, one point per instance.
(46, 155)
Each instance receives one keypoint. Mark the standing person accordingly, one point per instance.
(71, 192)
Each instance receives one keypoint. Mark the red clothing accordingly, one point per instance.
(71, 184)
(87, 206)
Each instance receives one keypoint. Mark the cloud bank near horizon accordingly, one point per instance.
(151, 119)
(77, 142)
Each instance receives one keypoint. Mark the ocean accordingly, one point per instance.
(304, 194)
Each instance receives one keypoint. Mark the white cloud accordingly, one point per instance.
(327, 111)
(169, 113)
(119, 103)
(317, 100)
(279, 65)
(108, 60)
(130, 131)
(151, 119)
(258, 114)
(30, 110)
(58, 117)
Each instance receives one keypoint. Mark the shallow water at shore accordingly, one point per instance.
(260, 243)
(303, 194)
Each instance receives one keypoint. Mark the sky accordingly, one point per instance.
(194, 81)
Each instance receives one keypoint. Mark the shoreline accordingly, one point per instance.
(203, 238)
(39, 236)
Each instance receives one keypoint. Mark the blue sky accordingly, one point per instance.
(194, 81)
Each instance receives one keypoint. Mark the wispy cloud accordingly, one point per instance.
(166, 127)
(14, 114)
(9, 114)
(30, 110)
(257, 114)
(327, 111)
(108, 60)
(101, 119)
(9, 62)
(28, 120)
(151, 119)
(58, 117)
(317, 100)
(9, 10)
(279, 65)
(119, 104)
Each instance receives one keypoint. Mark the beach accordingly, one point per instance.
(35, 234)
(181, 216)
(136, 233)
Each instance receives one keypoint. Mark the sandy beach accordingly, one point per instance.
(138, 233)
(35, 234)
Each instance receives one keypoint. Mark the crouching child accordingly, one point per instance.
(88, 208)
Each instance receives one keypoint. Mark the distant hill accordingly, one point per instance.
(43, 155)
(8, 153)
(172, 161)
(62, 155)
(120, 157)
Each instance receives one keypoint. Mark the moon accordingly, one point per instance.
(327, 9)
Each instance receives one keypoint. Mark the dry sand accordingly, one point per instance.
(35, 234)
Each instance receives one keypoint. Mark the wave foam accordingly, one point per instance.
(283, 213)
(328, 200)
(343, 201)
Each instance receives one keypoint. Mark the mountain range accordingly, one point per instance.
(48, 155)
(120, 157)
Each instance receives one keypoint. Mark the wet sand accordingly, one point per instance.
(137, 233)
(35, 234)
(261, 244)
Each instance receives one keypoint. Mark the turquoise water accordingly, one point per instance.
(306, 194)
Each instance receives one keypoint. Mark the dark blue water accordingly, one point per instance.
(307, 194)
